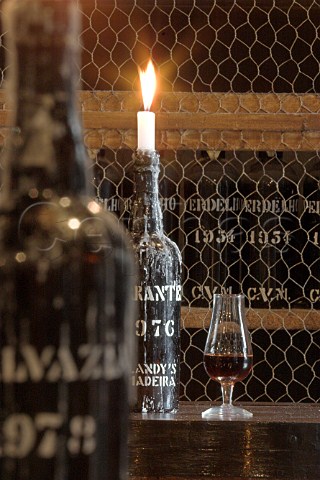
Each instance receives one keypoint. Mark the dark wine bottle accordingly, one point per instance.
(270, 218)
(113, 180)
(114, 183)
(310, 221)
(158, 293)
(213, 235)
(66, 272)
(171, 174)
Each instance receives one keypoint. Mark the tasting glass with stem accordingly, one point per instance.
(228, 353)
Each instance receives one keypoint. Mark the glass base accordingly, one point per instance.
(226, 412)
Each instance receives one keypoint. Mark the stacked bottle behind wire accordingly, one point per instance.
(114, 182)
(171, 173)
(309, 273)
(65, 272)
(213, 234)
(270, 218)
(158, 294)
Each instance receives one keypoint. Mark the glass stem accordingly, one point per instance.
(227, 389)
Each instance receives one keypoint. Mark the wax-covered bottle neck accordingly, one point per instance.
(43, 56)
(146, 215)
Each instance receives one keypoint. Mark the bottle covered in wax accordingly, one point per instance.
(158, 293)
(113, 179)
(65, 271)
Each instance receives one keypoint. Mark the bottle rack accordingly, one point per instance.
(210, 121)
(220, 121)
(223, 121)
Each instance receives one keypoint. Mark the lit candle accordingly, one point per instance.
(146, 119)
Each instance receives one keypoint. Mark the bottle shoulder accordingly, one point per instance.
(158, 243)
(50, 229)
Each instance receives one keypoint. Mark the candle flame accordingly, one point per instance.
(148, 84)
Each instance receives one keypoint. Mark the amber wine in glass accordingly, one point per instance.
(228, 353)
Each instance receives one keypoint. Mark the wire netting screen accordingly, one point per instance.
(245, 220)
(219, 45)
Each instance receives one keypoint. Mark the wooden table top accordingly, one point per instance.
(262, 412)
(280, 441)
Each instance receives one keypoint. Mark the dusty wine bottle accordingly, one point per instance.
(158, 293)
(65, 272)
(113, 178)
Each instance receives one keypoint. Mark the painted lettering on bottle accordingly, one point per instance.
(155, 375)
(90, 362)
(23, 434)
(157, 293)
(253, 293)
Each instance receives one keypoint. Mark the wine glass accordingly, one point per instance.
(228, 353)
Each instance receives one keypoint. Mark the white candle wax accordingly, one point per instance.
(146, 130)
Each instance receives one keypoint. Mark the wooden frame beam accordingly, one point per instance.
(227, 121)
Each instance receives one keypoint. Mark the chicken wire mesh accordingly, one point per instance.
(244, 220)
(202, 45)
